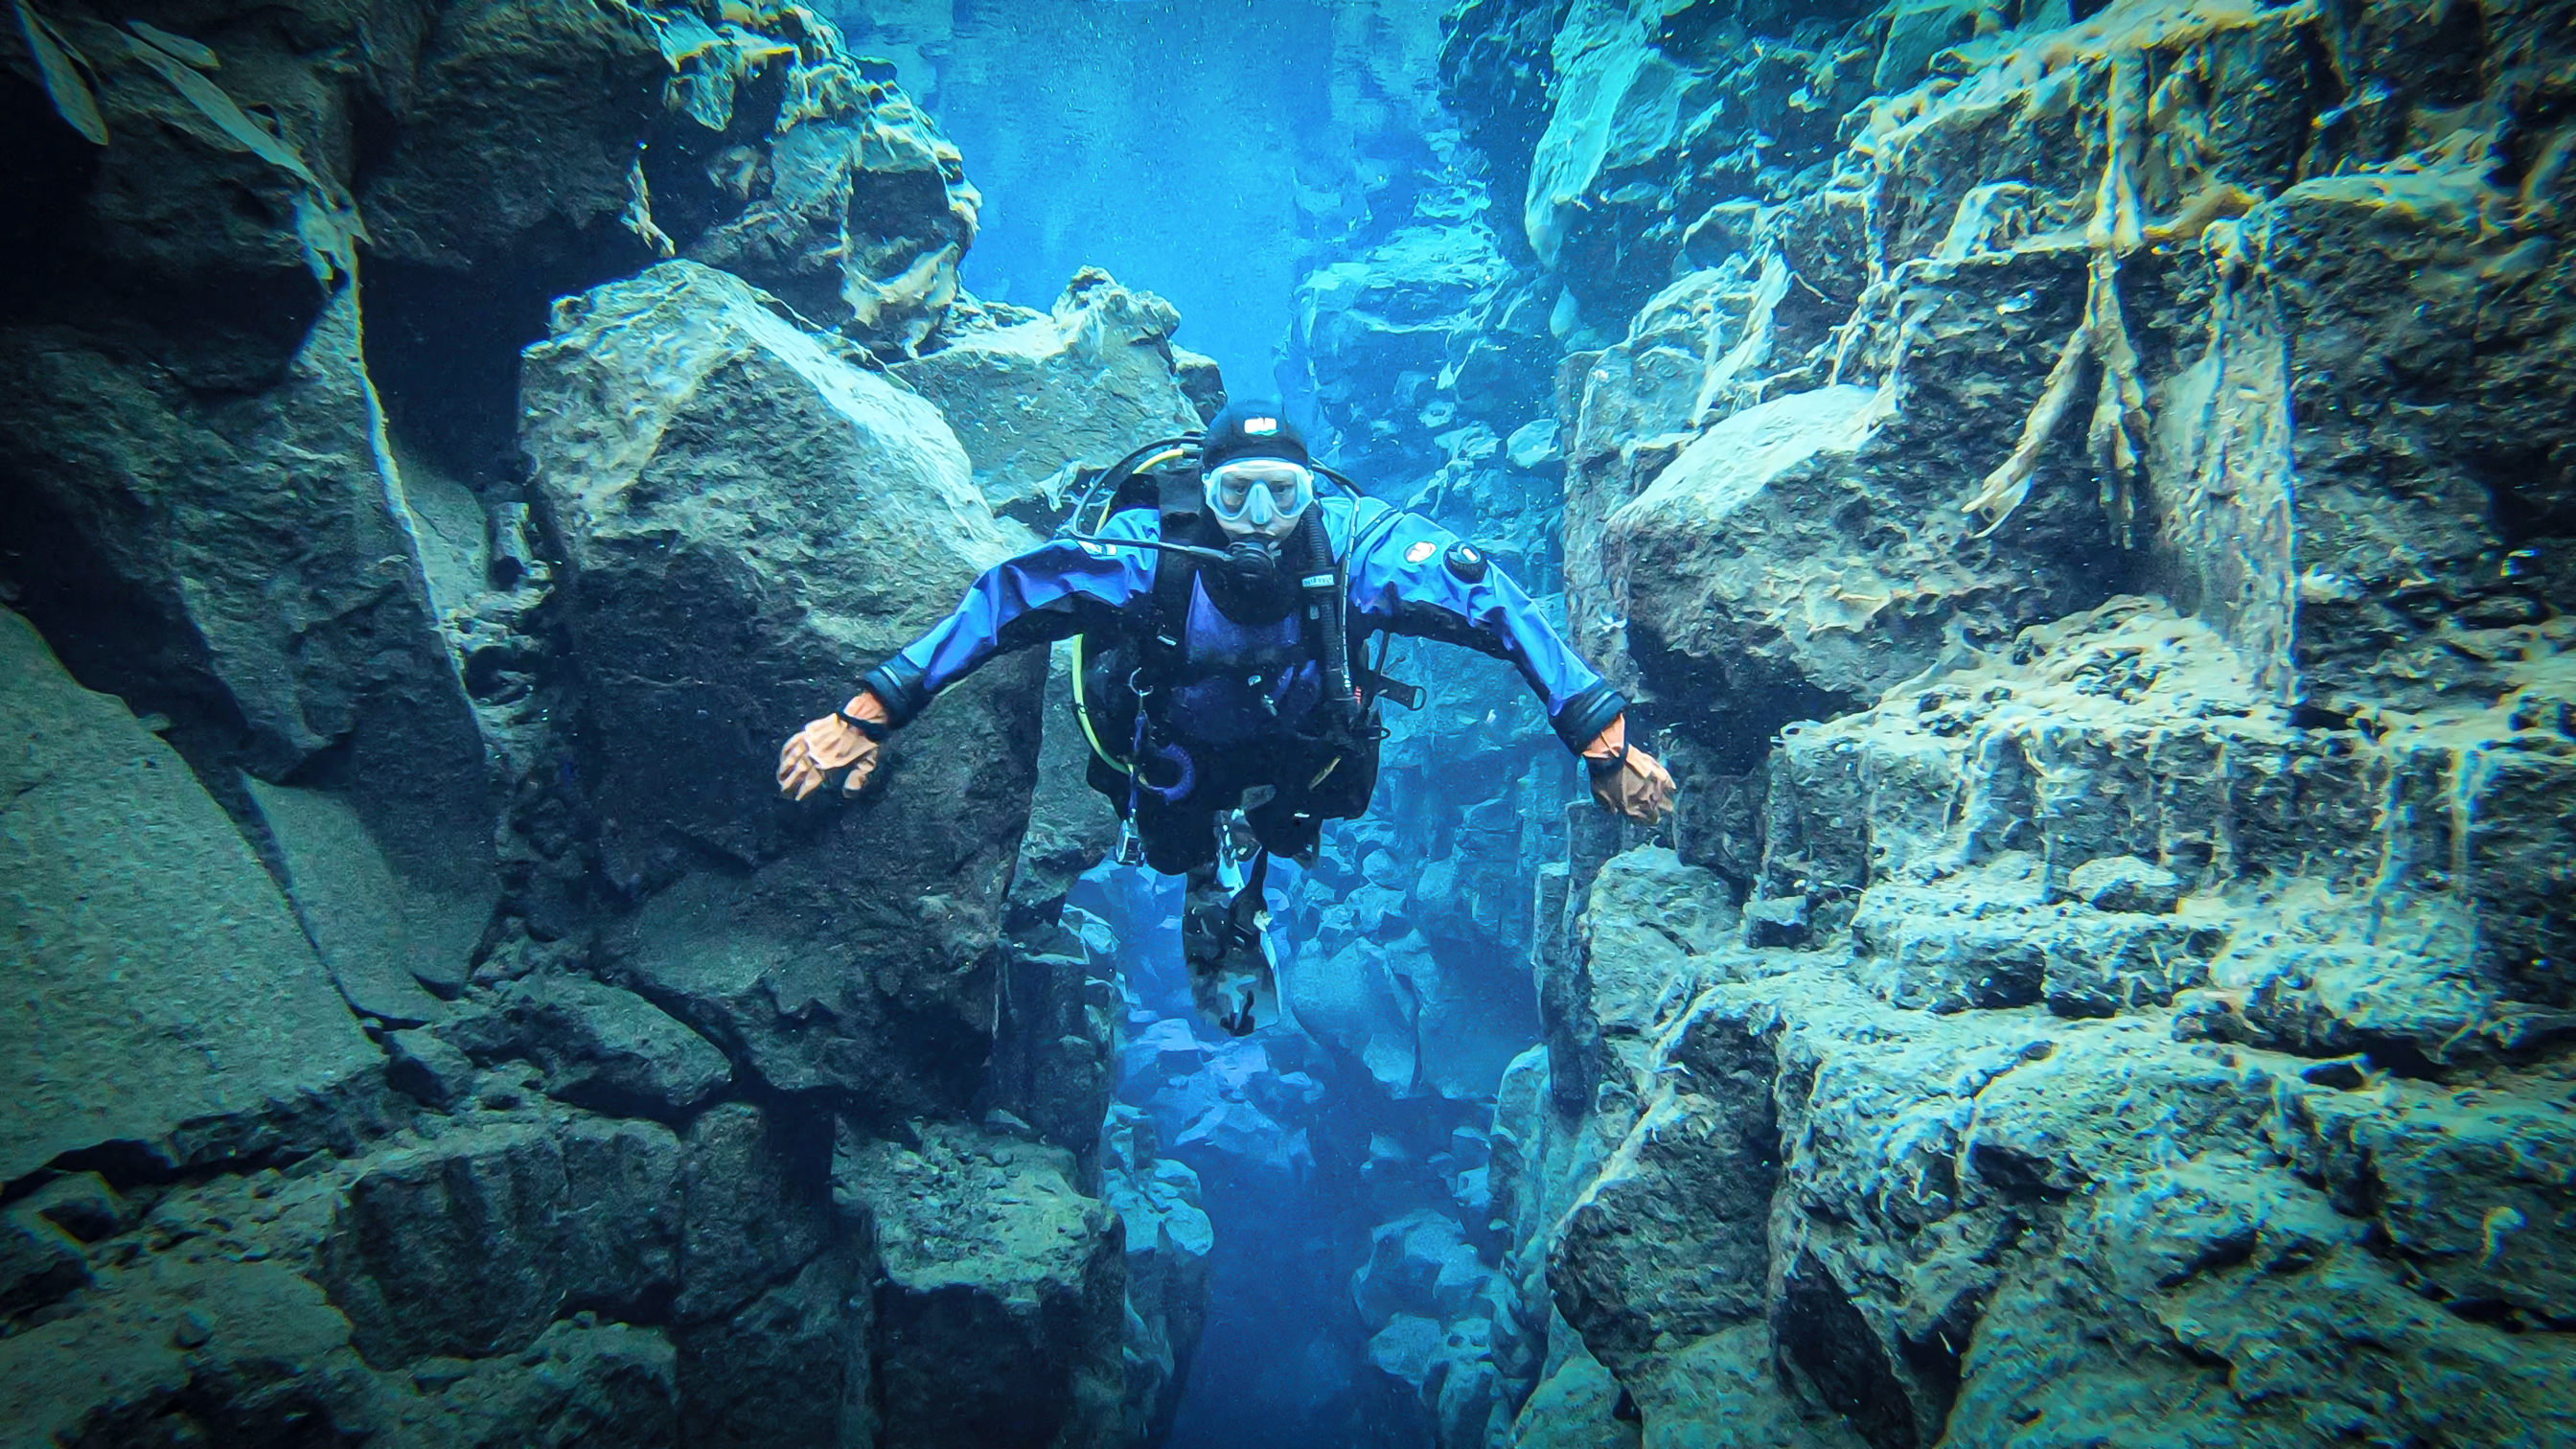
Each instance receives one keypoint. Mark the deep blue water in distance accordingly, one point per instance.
(1201, 150)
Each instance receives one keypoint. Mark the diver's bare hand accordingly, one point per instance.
(829, 743)
(1628, 780)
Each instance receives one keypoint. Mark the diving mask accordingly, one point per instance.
(1260, 495)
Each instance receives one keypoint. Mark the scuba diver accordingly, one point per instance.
(1218, 605)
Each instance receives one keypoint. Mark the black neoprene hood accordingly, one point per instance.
(1256, 428)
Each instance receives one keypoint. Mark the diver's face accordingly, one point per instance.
(1260, 497)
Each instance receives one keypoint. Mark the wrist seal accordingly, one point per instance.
(897, 685)
(1587, 714)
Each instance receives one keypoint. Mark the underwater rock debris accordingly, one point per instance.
(2111, 977)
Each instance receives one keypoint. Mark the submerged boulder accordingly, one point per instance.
(250, 564)
(471, 1245)
(1814, 545)
(1044, 404)
(751, 522)
(602, 1048)
(169, 1009)
(999, 1316)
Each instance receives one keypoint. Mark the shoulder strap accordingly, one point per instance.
(1165, 613)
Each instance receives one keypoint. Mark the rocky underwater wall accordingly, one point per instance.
(2085, 497)
(2081, 493)
(445, 448)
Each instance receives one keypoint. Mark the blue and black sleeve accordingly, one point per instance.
(1052, 592)
(1412, 577)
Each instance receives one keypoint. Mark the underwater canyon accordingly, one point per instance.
(2082, 495)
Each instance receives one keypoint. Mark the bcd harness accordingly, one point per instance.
(1151, 640)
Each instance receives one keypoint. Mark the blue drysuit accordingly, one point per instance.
(1401, 582)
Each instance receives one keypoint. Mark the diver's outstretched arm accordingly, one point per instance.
(1051, 592)
(1411, 576)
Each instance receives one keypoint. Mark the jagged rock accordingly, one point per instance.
(1421, 1263)
(1575, 1407)
(1052, 1061)
(1776, 921)
(1407, 1348)
(1935, 824)
(1729, 1385)
(1446, 1367)
(783, 468)
(1805, 546)
(40, 1263)
(172, 1012)
(1917, 1154)
(578, 1383)
(999, 1313)
(744, 547)
(1669, 1242)
(516, 129)
(83, 1205)
(1495, 68)
(1357, 1001)
(1169, 1240)
(1619, 104)
(174, 241)
(471, 1244)
(246, 562)
(753, 1209)
(1071, 826)
(251, 1346)
(2421, 285)
(1043, 403)
(1630, 969)
(2221, 1258)
(2467, 1185)
(859, 211)
(537, 151)
(1653, 124)
(1397, 313)
(383, 936)
(791, 1366)
(1985, 938)
(2125, 883)
(428, 1068)
(1246, 1142)
(602, 1048)
(1409, 1018)
(1533, 446)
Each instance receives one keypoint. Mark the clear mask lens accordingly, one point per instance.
(1260, 493)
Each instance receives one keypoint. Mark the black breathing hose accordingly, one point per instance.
(1324, 595)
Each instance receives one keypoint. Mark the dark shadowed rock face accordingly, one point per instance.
(991, 1327)
(601, 1048)
(140, 916)
(472, 1246)
(517, 121)
(502, 738)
